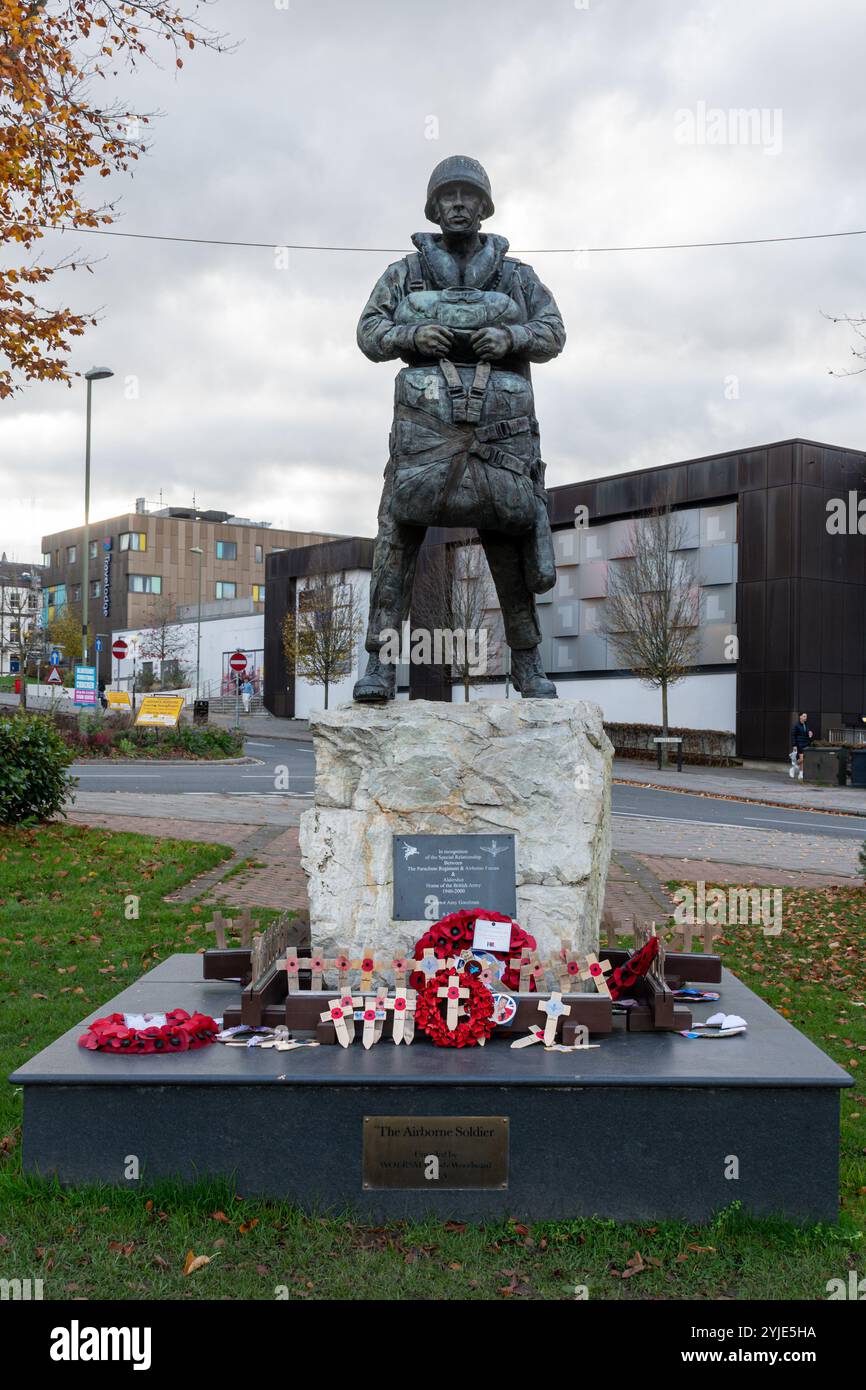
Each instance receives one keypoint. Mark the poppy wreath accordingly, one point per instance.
(454, 934)
(622, 980)
(469, 1031)
(180, 1033)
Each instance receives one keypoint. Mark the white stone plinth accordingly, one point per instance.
(539, 769)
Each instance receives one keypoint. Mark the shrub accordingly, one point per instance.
(863, 859)
(34, 757)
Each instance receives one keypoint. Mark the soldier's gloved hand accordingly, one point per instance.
(491, 343)
(432, 338)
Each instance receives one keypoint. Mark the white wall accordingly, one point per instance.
(244, 633)
(310, 697)
(703, 701)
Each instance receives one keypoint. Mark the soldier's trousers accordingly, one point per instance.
(394, 561)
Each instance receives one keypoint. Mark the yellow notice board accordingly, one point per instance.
(118, 699)
(160, 709)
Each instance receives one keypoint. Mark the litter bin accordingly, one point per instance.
(200, 711)
(858, 767)
(825, 766)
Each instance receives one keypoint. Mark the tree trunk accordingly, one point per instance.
(326, 694)
(664, 722)
(466, 687)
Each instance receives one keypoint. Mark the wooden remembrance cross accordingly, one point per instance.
(341, 1012)
(555, 1009)
(402, 1005)
(453, 991)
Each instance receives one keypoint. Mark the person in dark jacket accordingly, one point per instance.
(801, 739)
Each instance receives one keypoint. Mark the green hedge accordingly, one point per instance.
(34, 757)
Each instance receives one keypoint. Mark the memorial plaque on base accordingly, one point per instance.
(435, 1151)
(438, 874)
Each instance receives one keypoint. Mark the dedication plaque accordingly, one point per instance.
(438, 874)
(435, 1151)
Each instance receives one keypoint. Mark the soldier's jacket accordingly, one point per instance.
(464, 447)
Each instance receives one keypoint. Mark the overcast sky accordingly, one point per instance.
(252, 394)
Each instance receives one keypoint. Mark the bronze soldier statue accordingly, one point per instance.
(464, 449)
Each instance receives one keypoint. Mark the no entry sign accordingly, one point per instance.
(238, 661)
(119, 649)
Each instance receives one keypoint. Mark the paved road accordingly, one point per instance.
(273, 756)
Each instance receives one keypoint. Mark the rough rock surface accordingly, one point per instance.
(537, 768)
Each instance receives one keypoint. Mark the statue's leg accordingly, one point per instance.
(519, 614)
(394, 560)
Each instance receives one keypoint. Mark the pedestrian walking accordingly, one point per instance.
(247, 694)
(103, 698)
(801, 739)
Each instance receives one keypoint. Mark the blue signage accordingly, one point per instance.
(86, 689)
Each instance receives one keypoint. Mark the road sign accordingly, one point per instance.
(160, 709)
(54, 677)
(55, 657)
(85, 686)
(99, 644)
(118, 699)
(119, 648)
(238, 661)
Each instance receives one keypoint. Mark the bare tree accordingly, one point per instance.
(163, 639)
(653, 608)
(453, 602)
(319, 640)
(858, 323)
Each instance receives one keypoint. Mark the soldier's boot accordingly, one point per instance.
(379, 681)
(527, 673)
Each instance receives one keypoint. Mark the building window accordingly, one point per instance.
(145, 584)
(71, 554)
(258, 593)
(76, 593)
(46, 558)
(226, 588)
(133, 540)
(94, 550)
(95, 589)
(260, 554)
(227, 550)
(57, 558)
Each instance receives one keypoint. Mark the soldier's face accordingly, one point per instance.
(460, 208)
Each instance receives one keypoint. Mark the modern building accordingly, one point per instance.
(781, 583)
(144, 560)
(20, 609)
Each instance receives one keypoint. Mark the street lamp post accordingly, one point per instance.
(197, 550)
(95, 374)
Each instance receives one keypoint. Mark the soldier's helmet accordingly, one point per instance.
(458, 168)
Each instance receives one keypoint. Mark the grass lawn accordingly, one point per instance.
(65, 947)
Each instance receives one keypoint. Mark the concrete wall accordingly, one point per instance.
(704, 701)
(219, 637)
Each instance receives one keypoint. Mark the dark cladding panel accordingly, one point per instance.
(779, 627)
(615, 496)
(833, 472)
(852, 698)
(752, 471)
(751, 627)
(809, 698)
(780, 549)
(713, 477)
(854, 629)
(780, 465)
(750, 733)
(563, 500)
(831, 694)
(831, 629)
(812, 531)
(753, 536)
(663, 487)
(807, 470)
(809, 626)
(751, 689)
(780, 690)
(777, 735)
